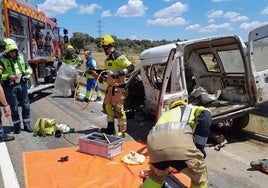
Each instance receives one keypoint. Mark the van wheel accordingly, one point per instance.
(241, 122)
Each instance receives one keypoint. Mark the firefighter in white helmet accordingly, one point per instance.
(118, 66)
(16, 73)
(178, 140)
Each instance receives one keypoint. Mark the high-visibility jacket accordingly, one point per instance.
(176, 144)
(14, 66)
(72, 59)
(173, 118)
(116, 61)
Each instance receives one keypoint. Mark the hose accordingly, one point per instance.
(76, 91)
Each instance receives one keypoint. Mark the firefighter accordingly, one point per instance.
(3, 136)
(72, 59)
(118, 67)
(16, 73)
(178, 140)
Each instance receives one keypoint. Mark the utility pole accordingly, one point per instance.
(99, 28)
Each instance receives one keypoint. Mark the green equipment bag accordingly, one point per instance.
(44, 126)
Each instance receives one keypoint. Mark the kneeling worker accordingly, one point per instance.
(178, 140)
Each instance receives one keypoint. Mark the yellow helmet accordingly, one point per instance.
(10, 41)
(10, 45)
(70, 47)
(177, 103)
(106, 40)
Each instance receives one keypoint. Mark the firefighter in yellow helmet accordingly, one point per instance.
(178, 140)
(118, 67)
(6, 108)
(16, 73)
(71, 58)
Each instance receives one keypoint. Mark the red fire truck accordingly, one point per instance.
(38, 39)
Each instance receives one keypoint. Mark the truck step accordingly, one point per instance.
(39, 88)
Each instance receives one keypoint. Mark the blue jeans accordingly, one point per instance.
(1, 126)
(16, 94)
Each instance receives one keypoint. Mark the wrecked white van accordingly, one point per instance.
(223, 73)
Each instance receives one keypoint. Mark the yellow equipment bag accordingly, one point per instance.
(44, 126)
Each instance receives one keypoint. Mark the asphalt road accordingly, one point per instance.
(228, 167)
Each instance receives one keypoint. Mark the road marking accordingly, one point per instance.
(8, 173)
(233, 156)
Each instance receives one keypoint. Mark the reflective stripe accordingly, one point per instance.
(200, 140)
(186, 113)
(17, 121)
(23, 9)
(184, 125)
(172, 126)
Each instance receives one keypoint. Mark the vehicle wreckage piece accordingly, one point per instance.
(220, 145)
(230, 72)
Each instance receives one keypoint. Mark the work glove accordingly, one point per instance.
(80, 63)
(202, 149)
(26, 77)
(117, 73)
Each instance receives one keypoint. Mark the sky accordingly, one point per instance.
(157, 19)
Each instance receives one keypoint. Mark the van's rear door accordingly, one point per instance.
(173, 85)
(258, 48)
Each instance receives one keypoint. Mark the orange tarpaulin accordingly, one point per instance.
(43, 170)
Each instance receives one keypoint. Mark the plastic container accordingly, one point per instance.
(64, 128)
(96, 144)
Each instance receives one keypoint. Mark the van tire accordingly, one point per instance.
(241, 122)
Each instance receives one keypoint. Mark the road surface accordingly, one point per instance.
(228, 167)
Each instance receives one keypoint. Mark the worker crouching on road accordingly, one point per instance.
(16, 73)
(118, 67)
(178, 140)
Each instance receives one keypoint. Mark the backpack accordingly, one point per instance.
(44, 126)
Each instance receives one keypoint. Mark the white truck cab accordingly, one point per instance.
(222, 73)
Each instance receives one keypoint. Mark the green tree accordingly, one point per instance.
(80, 41)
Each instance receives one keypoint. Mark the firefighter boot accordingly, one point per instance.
(121, 130)
(110, 129)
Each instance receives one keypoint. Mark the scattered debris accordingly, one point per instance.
(63, 159)
(261, 164)
(220, 145)
(133, 158)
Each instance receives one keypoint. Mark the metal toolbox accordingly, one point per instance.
(96, 144)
